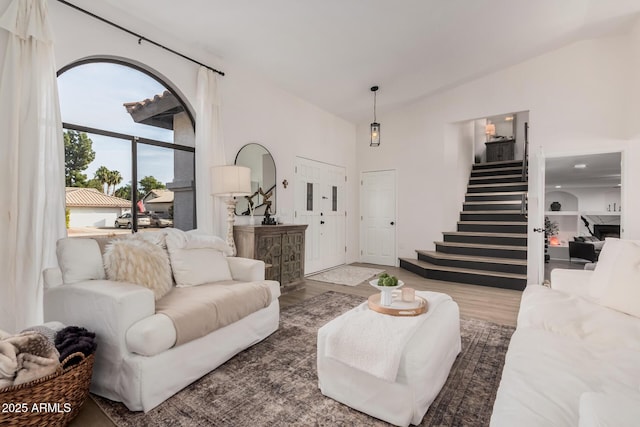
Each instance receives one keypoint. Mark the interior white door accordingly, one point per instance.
(378, 217)
(319, 203)
(535, 233)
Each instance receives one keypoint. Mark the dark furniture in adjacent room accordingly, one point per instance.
(583, 250)
(500, 150)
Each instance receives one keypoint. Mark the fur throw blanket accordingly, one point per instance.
(73, 339)
(26, 357)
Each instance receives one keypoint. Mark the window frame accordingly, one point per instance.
(135, 140)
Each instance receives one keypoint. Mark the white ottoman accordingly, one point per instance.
(424, 368)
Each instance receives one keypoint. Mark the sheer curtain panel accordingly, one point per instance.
(211, 211)
(31, 163)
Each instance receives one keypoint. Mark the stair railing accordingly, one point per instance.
(525, 171)
(525, 159)
(523, 205)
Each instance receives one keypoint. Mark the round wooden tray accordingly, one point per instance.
(399, 307)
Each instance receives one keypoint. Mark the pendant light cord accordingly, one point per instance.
(374, 106)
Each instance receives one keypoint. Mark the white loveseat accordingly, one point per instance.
(137, 361)
(574, 359)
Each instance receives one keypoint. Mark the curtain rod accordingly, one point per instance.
(140, 37)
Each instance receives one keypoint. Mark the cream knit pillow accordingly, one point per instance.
(140, 262)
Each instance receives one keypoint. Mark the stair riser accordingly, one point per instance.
(492, 207)
(449, 276)
(498, 189)
(481, 166)
(490, 228)
(493, 172)
(487, 252)
(495, 180)
(486, 240)
(474, 265)
(493, 198)
(470, 216)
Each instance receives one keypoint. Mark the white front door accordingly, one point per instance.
(319, 203)
(378, 217)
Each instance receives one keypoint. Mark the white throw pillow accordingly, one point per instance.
(197, 259)
(79, 260)
(608, 409)
(623, 289)
(141, 262)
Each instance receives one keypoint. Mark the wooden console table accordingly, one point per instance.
(282, 246)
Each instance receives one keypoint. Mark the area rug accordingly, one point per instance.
(274, 383)
(348, 275)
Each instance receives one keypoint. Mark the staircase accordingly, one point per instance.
(490, 246)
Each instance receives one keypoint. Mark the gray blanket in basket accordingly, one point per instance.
(26, 357)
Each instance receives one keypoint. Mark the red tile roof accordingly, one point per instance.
(90, 197)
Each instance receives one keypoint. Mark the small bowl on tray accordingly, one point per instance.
(385, 291)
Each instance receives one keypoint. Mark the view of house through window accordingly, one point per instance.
(129, 151)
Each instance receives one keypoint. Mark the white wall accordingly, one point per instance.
(253, 109)
(93, 217)
(578, 101)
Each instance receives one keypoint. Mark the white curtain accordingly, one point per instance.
(31, 163)
(209, 152)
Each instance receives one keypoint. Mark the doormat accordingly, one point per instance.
(348, 275)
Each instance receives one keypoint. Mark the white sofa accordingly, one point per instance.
(136, 360)
(573, 359)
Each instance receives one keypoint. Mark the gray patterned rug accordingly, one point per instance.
(274, 383)
(348, 275)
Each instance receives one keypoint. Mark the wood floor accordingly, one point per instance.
(475, 302)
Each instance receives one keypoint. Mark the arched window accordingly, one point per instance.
(129, 150)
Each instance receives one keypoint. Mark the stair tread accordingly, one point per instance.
(498, 193)
(494, 202)
(482, 246)
(495, 211)
(493, 222)
(499, 162)
(442, 255)
(498, 184)
(513, 168)
(485, 234)
(428, 265)
(495, 177)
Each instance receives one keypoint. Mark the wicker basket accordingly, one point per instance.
(53, 400)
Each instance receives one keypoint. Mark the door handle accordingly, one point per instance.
(392, 223)
(538, 230)
(321, 222)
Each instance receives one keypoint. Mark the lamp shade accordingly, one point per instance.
(230, 181)
(490, 129)
(375, 135)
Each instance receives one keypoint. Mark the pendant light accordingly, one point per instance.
(375, 126)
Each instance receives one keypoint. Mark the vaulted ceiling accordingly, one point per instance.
(330, 52)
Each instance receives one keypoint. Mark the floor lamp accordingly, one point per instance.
(229, 182)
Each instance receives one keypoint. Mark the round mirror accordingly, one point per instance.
(263, 181)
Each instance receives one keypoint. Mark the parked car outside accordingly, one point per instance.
(160, 222)
(126, 220)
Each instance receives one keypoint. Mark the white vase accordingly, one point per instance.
(386, 298)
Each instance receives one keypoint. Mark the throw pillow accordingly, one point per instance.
(140, 262)
(79, 260)
(601, 276)
(155, 237)
(623, 289)
(197, 259)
